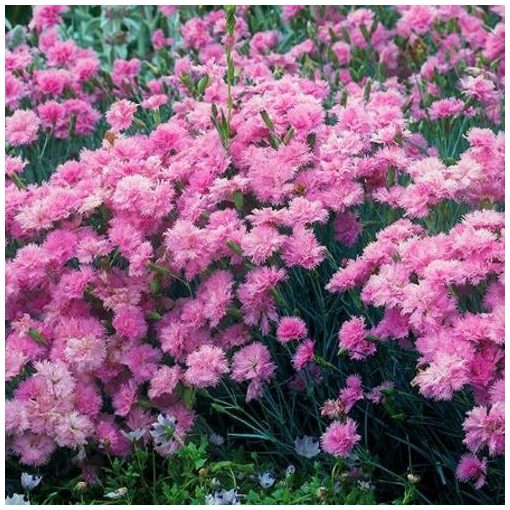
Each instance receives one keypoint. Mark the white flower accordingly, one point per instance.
(163, 434)
(365, 486)
(134, 435)
(29, 482)
(291, 469)
(216, 439)
(17, 499)
(122, 491)
(223, 497)
(307, 446)
(266, 480)
(81, 455)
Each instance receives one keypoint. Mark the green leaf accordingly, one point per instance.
(267, 120)
(17, 37)
(238, 200)
(37, 336)
(390, 176)
(202, 84)
(230, 12)
(234, 247)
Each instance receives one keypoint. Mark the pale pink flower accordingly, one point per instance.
(485, 427)
(206, 366)
(352, 338)
(252, 362)
(21, 127)
(120, 115)
(164, 381)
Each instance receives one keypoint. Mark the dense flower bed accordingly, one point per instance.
(153, 267)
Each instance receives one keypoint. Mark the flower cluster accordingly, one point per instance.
(147, 271)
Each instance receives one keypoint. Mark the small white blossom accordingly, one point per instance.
(17, 499)
(122, 491)
(216, 439)
(266, 480)
(29, 482)
(364, 485)
(223, 497)
(81, 455)
(163, 435)
(307, 446)
(291, 469)
(134, 435)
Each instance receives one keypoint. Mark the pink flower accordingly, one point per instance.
(155, 101)
(110, 437)
(124, 398)
(187, 246)
(347, 228)
(289, 11)
(167, 136)
(291, 328)
(52, 114)
(21, 127)
(143, 361)
(304, 354)
(302, 249)
(215, 295)
(14, 165)
(46, 16)
(443, 108)
(446, 374)
(52, 82)
(206, 366)
(478, 88)
(352, 393)
(352, 338)
(73, 430)
(485, 427)
(261, 242)
(129, 321)
(120, 115)
(164, 381)
(472, 468)
(255, 294)
(340, 438)
(125, 71)
(33, 449)
(342, 51)
(252, 362)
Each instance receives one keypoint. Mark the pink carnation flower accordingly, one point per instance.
(129, 321)
(471, 468)
(340, 438)
(206, 366)
(14, 165)
(21, 127)
(485, 427)
(164, 381)
(291, 328)
(120, 115)
(304, 354)
(352, 338)
(443, 108)
(253, 363)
